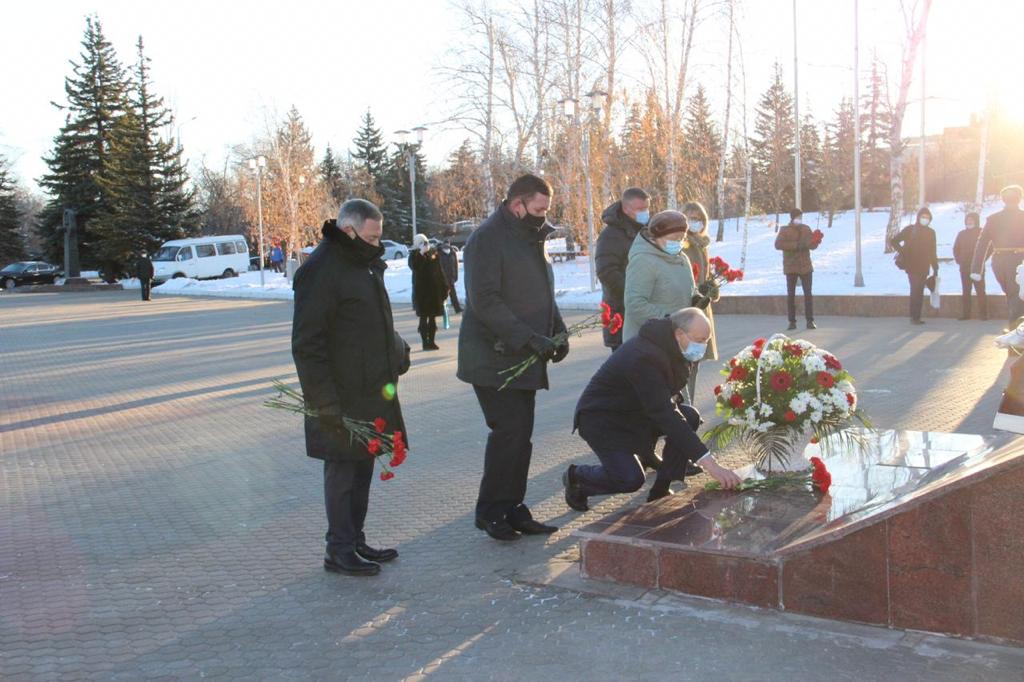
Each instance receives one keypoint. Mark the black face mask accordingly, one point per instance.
(365, 249)
(533, 221)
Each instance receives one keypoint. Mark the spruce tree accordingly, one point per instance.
(371, 153)
(810, 165)
(772, 148)
(330, 172)
(875, 124)
(836, 191)
(701, 149)
(95, 100)
(12, 245)
(395, 194)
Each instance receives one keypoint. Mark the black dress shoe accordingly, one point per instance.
(381, 555)
(349, 563)
(811, 325)
(499, 530)
(693, 470)
(650, 460)
(574, 496)
(792, 326)
(531, 527)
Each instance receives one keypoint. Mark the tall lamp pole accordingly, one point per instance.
(796, 115)
(410, 162)
(257, 165)
(596, 98)
(858, 278)
(921, 192)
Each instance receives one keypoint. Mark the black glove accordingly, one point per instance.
(542, 346)
(692, 416)
(560, 352)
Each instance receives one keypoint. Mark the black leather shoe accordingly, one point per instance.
(574, 496)
(532, 527)
(811, 325)
(349, 563)
(792, 326)
(650, 460)
(499, 530)
(381, 555)
(693, 470)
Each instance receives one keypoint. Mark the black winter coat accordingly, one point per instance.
(963, 247)
(917, 244)
(429, 287)
(510, 297)
(611, 255)
(449, 264)
(1003, 238)
(144, 268)
(344, 343)
(632, 392)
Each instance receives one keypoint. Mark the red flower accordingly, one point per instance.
(814, 441)
(733, 275)
(606, 314)
(734, 362)
(739, 373)
(758, 343)
(826, 380)
(793, 349)
(380, 424)
(816, 462)
(696, 272)
(781, 381)
(373, 447)
(790, 416)
(820, 476)
(850, 398)
(387, 475)
(616, 324)
(832, 363)
(397, 459)
(718, 389)
(736, 400)
(756, 353)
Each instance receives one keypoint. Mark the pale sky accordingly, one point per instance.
(223, 67)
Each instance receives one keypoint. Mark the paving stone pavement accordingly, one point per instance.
(157, 522)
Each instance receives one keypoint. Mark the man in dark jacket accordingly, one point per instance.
(796, 241)
(636, 396)
(622, 221)
(348, 359)
(963, 254)
(918, 255)
(510, 315)
(450, 266)
(1003, 238)
(144, 271)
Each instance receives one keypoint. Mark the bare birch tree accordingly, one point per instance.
(720, 188)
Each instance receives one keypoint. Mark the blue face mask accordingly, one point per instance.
(673, 248)
(643, 217)
(695, 351)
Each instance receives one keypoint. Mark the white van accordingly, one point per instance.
(201, 258)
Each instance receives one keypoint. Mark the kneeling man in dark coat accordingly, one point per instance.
(634, 398)
(348, 358)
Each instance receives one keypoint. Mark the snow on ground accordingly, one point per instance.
(834, 264)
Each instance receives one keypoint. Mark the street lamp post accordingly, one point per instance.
(257, 165)
(410, 162)
(858, 277)
(596, 98)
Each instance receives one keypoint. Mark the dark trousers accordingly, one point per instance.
(145, 286)
(917, 281)
(453, 296)
(966, 283)
(346, 497)
(1006, 274)
(805, 284)
(427, 328)
(620, 470)
(509, 416)
(691, 383)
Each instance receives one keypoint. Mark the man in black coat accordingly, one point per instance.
(918, 255)
(348, 358)
(1003, 237)
(636, 396)
(510, 315)
(450, 266)
(622, 221)
(144, 271)
(963, 254)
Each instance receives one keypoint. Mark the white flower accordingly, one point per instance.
(816, 416)
(846, 387)
(814, 404)
(799, 403)
(727, 390)
(737, 421)
(813, 364)
(771, 359)
(766, 410)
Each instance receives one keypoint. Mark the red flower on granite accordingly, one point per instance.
(820, 477)
(826, 380)
(736, 400)
(781, 381)
(380, 424)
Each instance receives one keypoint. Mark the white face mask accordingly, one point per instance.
(925, 220)
(673, 248)
(695, 226)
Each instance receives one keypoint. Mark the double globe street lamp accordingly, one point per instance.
(257, 165)
(569, 108)
(410, 162)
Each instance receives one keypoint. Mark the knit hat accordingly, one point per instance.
(419, 240)
(666, 223)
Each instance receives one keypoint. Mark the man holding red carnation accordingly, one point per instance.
(796, 241)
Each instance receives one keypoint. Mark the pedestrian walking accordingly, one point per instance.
(1003, 239)
(623, 220)
(633, 399)
(917, 255)
(450, 266)
(659, 278)
(963, 254)
(348, 358)
(510, 314)
(144, 273)
(277, 258)
(796, 241)
(696, 246)
(429, 288)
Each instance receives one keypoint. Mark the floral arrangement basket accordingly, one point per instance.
(780, 394)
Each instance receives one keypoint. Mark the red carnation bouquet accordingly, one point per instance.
(606, 319)
(388, 448)
(816, 237)
(817, 475)
(720, 273)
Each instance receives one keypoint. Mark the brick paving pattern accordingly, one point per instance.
(157, 522)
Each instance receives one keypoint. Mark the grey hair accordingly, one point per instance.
(354, 212)
(684, 318)
(635, 193)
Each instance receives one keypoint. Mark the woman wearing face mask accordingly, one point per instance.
(695, 246)
(916, 246)
(659, 279)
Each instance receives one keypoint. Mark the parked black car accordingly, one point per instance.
(28, 272)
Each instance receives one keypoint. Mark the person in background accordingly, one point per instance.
(570, 245)
(1003, 238)
(917, 252)
(623, 220)
(450, 266)
(963, 254)
(429, 288)
(144, 271)
(659, 278)
(695, 246)
(796, 241)
(277, 258)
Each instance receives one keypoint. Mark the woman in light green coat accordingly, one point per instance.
(695, 246)
(659, 279)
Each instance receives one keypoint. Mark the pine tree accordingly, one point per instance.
(875, 124)
(12, 245)
(95, 100)
(836, 193)
(810, 168)
(330, 173)
(701, 151)
(772, 148)
(371, 153)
